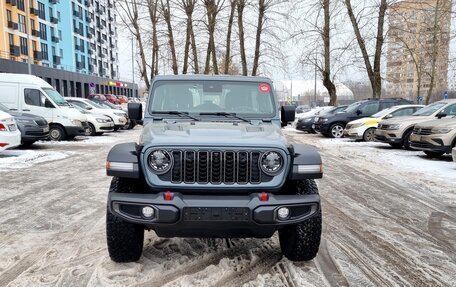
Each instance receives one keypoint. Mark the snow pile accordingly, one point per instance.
(17, 159)
(82, 140)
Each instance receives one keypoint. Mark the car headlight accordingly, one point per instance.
(102, 120)
(441, 130)
(76, 123)
(160, 161)
(393, 127)
(120, 114)
(25, 122)
(354, 126)
(271, 162)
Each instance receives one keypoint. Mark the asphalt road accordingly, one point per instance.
(381, 228)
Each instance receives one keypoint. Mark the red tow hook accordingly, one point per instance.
(168, 195)
(264, 196)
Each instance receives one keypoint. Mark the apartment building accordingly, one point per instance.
(418, 40)
(72, 38)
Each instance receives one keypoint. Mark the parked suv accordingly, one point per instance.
(307, 124)
(435, 137)
(396, 132)
(212, 162)
(333, 126)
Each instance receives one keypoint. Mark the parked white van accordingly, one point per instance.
(30, 94)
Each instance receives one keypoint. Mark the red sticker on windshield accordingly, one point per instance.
(265, 88)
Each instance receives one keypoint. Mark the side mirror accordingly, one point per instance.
(89, 108)
(359, 112)
(388, 116)
(441, 115)
(287, 114)
(135, 111)
(48, 104)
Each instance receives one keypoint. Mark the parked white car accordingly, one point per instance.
(119, 117)
(364, 128)
(98, 123)
(313, 112)
(10, 136)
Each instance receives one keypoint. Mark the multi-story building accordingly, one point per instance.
(71, 43)
(419, 34)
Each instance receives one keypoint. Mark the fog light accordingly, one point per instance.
(283, 213)
(148, 211)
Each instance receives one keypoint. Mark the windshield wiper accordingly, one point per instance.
(185, 114)
(225, 114)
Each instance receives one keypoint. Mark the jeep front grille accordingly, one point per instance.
(216, 167)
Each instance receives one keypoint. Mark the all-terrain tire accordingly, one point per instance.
(300, 242)
(125, 240)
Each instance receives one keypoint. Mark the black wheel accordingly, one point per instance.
(395, 145)
(369, 135)
(300, 242)
(125, 240)
(57, 133)
(407, 140)
(116, 129)
(91, 131)
(433, 154)
(336, 130)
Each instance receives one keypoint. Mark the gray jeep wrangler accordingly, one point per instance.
(212, 162)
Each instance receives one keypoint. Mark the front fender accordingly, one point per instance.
(123, 161)
(305, 162)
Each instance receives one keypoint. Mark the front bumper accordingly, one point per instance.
(388, 136)
(73, 131)
(428, 143)
(34, 133)
(305, 126)
(213, 215)
(104, 127)
(354, 133)
(322, 127)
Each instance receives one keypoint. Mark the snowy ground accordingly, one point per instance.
(389, 220)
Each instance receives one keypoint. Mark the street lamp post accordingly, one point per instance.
(27, 26)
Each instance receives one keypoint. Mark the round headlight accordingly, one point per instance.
(160, 161)
(271, 162)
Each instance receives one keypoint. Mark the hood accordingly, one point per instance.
(73, 114)
(367, 120)
(211, 134)
(442, 123)
(410, 120)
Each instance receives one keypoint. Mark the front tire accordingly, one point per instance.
(125, 240)
(369, 135)
(336, 130)
(91, 131)
(57, 133)
(407, 140)
(300, 242)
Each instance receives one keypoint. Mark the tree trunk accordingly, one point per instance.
(153, 8)
(373, 73)
(262, 6)
(212, 9)
(188, 7)
(327, 82)
(195, 51)
(228, 37)
(240, 10)
(167, 17)
(434, 53)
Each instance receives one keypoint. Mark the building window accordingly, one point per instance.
(9, 16)
(32, 24)
(44, 51)
(11, 39)
(24, 48)
(20, 5)
(41, 11)
(53, 51)
(43, 31)
(22, 26)
(61, 53)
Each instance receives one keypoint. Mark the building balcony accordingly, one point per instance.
(112, 58)
(112, 32)
(77, 47)
(80, 65)
(101, 55)
(112, 46)
(55, 39)
(76, 30)
(110, 18)
(11, 2)
(54, 20)
(53, 1)
(87, 3)
(101, 41)
(102, 72)
(13, 25)
(34, 11)
(15, 50)
(56, 60)
(37, 55)
(100, 10)
(36, 33)
(110, 4)
(113, 74)
(76, 14)
(90, 51)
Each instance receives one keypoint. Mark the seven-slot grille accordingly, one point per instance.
(216, 167)
(421, 131)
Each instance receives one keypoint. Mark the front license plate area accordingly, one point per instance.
(216, 214)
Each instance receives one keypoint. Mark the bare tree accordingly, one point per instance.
(153, 15)
(263, 5)
(227, 62)
(327, 81)
(373, 72)
(189, 6)
(213, 7)
(166, 13)
(240, 12)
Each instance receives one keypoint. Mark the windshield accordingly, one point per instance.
(429, 110)
(79, 109)
(353, 107)
(56, 97)
(95, 104)
(252, 99)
